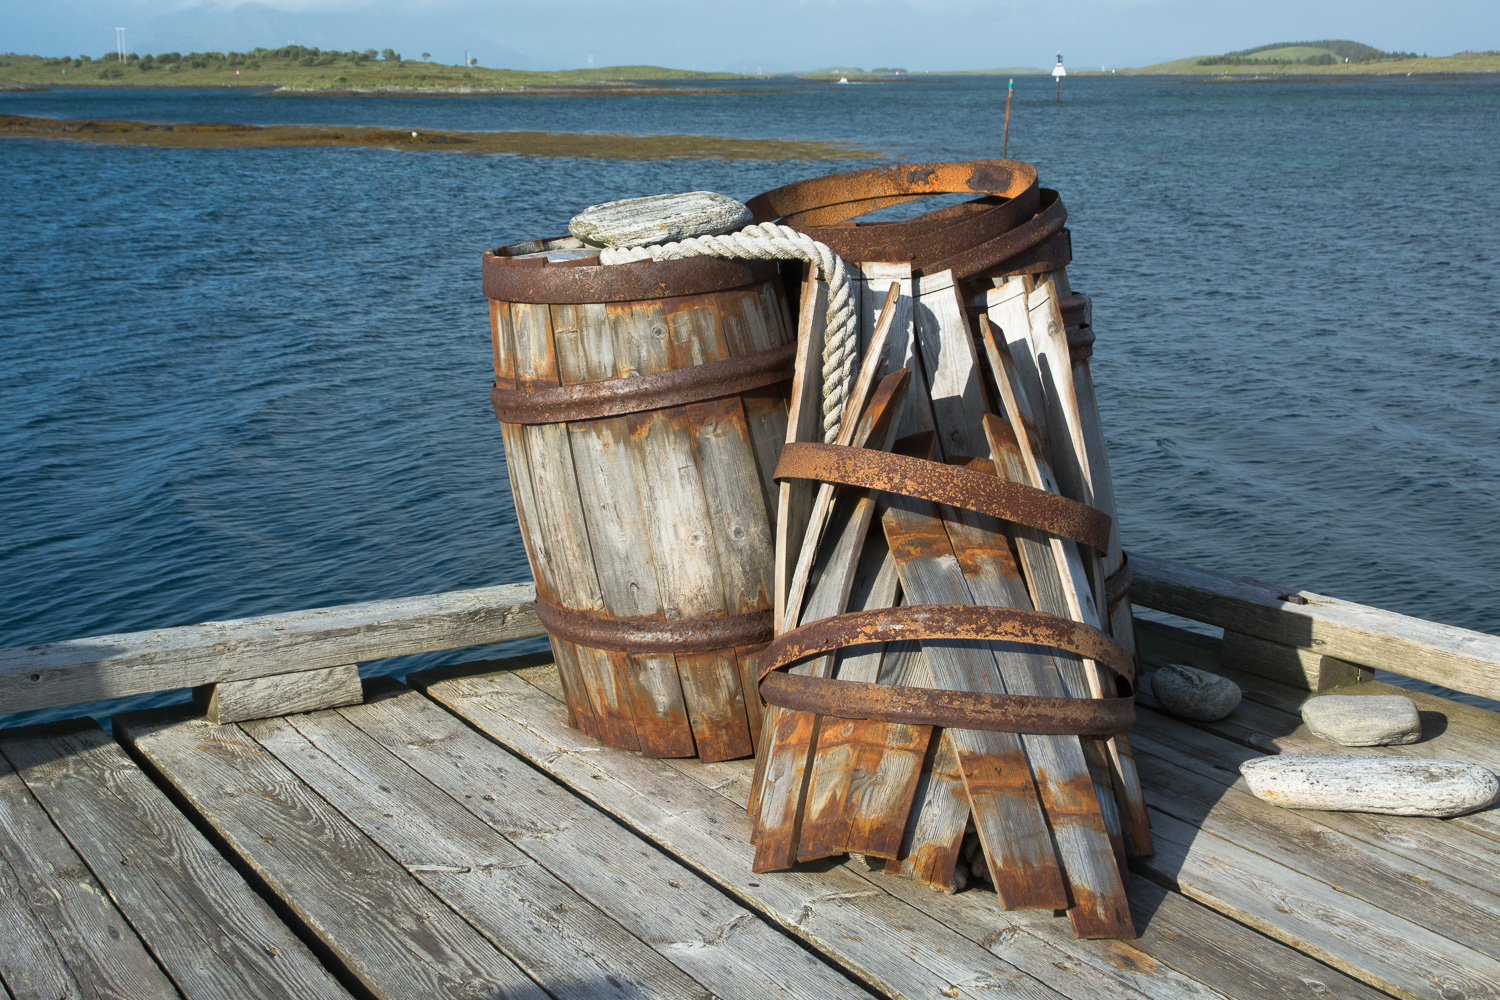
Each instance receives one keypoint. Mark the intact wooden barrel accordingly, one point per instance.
(643, 408)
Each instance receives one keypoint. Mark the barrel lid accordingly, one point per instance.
(562, 271)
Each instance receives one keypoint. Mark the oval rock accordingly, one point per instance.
(659, 218)
(1363, 720)
(1396, 786)
(1190, 693)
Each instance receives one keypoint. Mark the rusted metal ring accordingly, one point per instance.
(536, 280)
(634, 635)
(656, 391)
(834, 198)
(950, 709)
(1074, 308)
(1080, 344)
(984, 257)
(953, 485)
(1117, 584)
(998, 233)
(946, 621)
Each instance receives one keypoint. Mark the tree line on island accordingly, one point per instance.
(111, 67)
(1288, 54)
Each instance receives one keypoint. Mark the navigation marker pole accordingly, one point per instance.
(1005, 138)
(1057, 74)
(120, 43)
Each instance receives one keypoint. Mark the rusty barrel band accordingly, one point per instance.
(570, 283)
(1117, 584)
(953, 485)
(1015, 226)
(936, 707)
(950, 709)
(617, 396)
(632, 635)
(945, 621)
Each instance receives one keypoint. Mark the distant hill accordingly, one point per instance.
(299, 68)
(1325, 53)
(1339, 55)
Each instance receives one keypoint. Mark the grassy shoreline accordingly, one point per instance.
(580, 145)
(1423, 66)
(298, 69)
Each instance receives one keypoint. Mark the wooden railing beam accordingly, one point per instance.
(1456, 658)
(74, 671)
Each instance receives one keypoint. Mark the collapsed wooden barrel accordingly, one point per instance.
(643, 408)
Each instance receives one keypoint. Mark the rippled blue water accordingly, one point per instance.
(245, 381)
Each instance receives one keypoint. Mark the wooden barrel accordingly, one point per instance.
(643, 408)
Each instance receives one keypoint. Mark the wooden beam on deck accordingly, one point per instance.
(74, 671)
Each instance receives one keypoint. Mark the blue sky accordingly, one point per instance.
(772, 35)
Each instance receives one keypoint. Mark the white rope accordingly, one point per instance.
(768, 241)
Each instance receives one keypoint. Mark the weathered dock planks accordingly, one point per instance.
(211, 934)
(429, 862)
(1185, 950)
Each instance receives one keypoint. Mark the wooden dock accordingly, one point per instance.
(452, 837)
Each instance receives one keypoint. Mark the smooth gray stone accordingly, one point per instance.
(1397, 786)
(1190, 693)
(660, 218)
(1359, 721)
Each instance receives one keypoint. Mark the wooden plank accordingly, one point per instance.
(869, 372)
(1456, 658)
(785, 770)
(1062, 774)
(1354, 936)
(30, 965)
(74, 671)
(279, 694)
(1288, 664)
(1033, 380)
(874, 937)
(721, 944)
(1462, 854)
(1184, 949)
(209, 931)
(804, 423)
(392, 935)
(950, 366)
(1424, 895)
(626, 571)
(898, 346)
(939, 814)
(553, 933)
(997, 778)
(876, 790)
(49, 897)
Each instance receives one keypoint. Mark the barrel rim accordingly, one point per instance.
(575, 282)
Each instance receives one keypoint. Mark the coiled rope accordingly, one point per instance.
(768, 241)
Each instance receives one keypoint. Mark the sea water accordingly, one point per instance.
(237, 382)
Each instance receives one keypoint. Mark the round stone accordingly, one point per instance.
(660, 218)
(1190, 693)
(1363, 721)
(1397, 786)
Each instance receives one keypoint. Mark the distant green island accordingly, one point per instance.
(295, 69)
(1333, 56)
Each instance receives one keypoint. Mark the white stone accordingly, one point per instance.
(660, 218)
(1190, 693)
(1398, 786)
(1363, 721)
